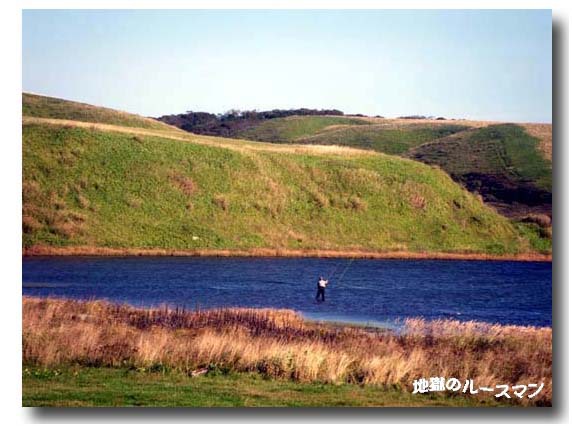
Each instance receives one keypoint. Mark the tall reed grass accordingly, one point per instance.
(280, 344)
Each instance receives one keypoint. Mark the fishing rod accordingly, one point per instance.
(322, 285)
(336, 267)
(333, 271)
(345, 270)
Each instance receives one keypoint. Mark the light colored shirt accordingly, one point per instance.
(323, 283)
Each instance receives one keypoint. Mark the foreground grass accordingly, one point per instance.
(106, 387)
(279, 344)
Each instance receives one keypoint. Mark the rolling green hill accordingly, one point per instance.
(508, 165)
(290, 129)
(501, 162)
(379, 135)
(109, 186)
(47, 107)
(382, 138)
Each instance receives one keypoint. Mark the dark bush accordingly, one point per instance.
(234, 121)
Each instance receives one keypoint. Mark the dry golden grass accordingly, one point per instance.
(544, 133)
(280, 344)
(44, 250)
(400, 122)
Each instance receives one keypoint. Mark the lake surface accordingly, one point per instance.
(377, 292)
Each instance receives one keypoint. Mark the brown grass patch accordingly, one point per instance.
(67, 229)
(544, 133)
(418, 201)
(83, 202)
(406, 122)
(30, 224)
(185, 184)
(541, 220)
(357, 204)
(134, 202)
(221, 202)
(57, 202)
(84, 250)
(280, 344)
(30, 190)
(319, 199)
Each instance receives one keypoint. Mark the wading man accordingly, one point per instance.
(322, 283)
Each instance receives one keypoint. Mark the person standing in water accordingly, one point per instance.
(322, 283)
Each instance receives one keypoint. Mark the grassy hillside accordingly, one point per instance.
(97, 188)
(382, 138)
(502, 162)
(508, 165)
(289, 129)
(46, 107)
(388, 136)
(102, 185)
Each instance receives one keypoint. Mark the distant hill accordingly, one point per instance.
(509, 165)
(296, 129)
(96, 184)
(232, 123)
(387, 136)
(501, 162)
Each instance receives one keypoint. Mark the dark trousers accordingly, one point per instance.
(321, 292)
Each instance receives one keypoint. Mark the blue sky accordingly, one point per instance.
(461, 64)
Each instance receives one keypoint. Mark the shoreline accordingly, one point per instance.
(275, 345)
(392, 325)
(291, 253)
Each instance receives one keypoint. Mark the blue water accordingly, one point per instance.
(371, 291)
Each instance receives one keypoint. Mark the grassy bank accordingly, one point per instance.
(113, 387)
(510, 165)
(87, 187)
(278, 344)
(109, 185)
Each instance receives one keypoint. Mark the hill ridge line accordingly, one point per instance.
(228, 143)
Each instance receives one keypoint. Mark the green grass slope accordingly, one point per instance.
(462, 149)
(92, 187)
(47, 107)
(379, 135)
(289, 129)
(382, 138)
(508, 165)
(502, 162)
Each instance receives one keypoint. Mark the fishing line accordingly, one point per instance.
(333, 271)
(339, 281)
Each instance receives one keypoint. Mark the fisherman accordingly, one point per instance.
(322, 283)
